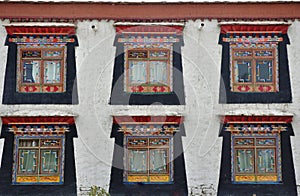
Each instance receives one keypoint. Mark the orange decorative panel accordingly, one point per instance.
(245, 178)
(27, 179)
(49, 179)
(164, 178)
(137, 178)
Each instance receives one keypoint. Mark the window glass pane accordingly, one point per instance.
(242, 53)
(158, 72)
(265, 142)
(137, 54)
(31, 54)
(244, 142)
(158, 54)
(243, 71)
(158, 160)
(49, 159)
(52, 53)
(264, 53)
(52, 71)
(264, 70)
(137, 161)
(244, 161)
(27, 161)
(31, 71)
(266, 160)
(137, 72)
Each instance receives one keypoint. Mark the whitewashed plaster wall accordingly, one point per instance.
(201, 69)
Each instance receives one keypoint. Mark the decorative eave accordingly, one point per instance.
(58, 120)
(32, 28)
(172, 120)
(234, 119)
(149, 12)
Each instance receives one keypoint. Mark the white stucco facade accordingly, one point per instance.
(202, 145)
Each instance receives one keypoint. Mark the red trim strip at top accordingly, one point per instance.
(15, 30)
(257, 119)
(149, 29)
(37, 120)
(148, 119)
(254, 29)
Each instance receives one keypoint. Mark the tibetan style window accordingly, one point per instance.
(39, 159)
(38, 151)
(148, 151)
(148, 69)
(254, 64)
(41, 68)
(256, 157)
(148, 158)
(254, 68)
(41, 65)
(257, 150)
(148, 65)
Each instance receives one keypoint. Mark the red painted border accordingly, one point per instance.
(51, 11)
(40, 119)
(11, 30)
(155, 28)
(147, 119)
(254, 28)
(262, 119)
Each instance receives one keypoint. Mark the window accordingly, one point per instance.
(39, 149)
(148, 68)
(148, 159)
(148, 150)
(254, 67)
(41, 68)
(256, 158)
(148, 64)
(254, 64)
(39, 159)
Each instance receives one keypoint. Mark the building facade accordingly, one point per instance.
(150, 98)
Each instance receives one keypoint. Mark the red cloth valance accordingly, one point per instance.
(257, 119)
(148, 119)
(149, 29)
(39, 120)
(15, 30)
(254, 29)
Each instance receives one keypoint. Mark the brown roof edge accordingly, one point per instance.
(134, 11)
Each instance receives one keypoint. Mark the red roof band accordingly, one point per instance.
(148, 119)
(22, 30)
(39, 120)
(257, 119)
(149, 29)
(254, 28)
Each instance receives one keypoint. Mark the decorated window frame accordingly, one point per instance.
(148, 156)
(49, 74)
(148, 64)
(256, 158)
(254, 63)
(256, 148)
(254, 67)
(38, 148)
(148, 68)
(41, 64)
(39, 159)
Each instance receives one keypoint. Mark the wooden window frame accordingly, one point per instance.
(148, 86)
(38, 177)
(41, 86)
(256, 176)
(148, 176)
(254, 85)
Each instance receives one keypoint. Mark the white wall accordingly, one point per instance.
(201, 68)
